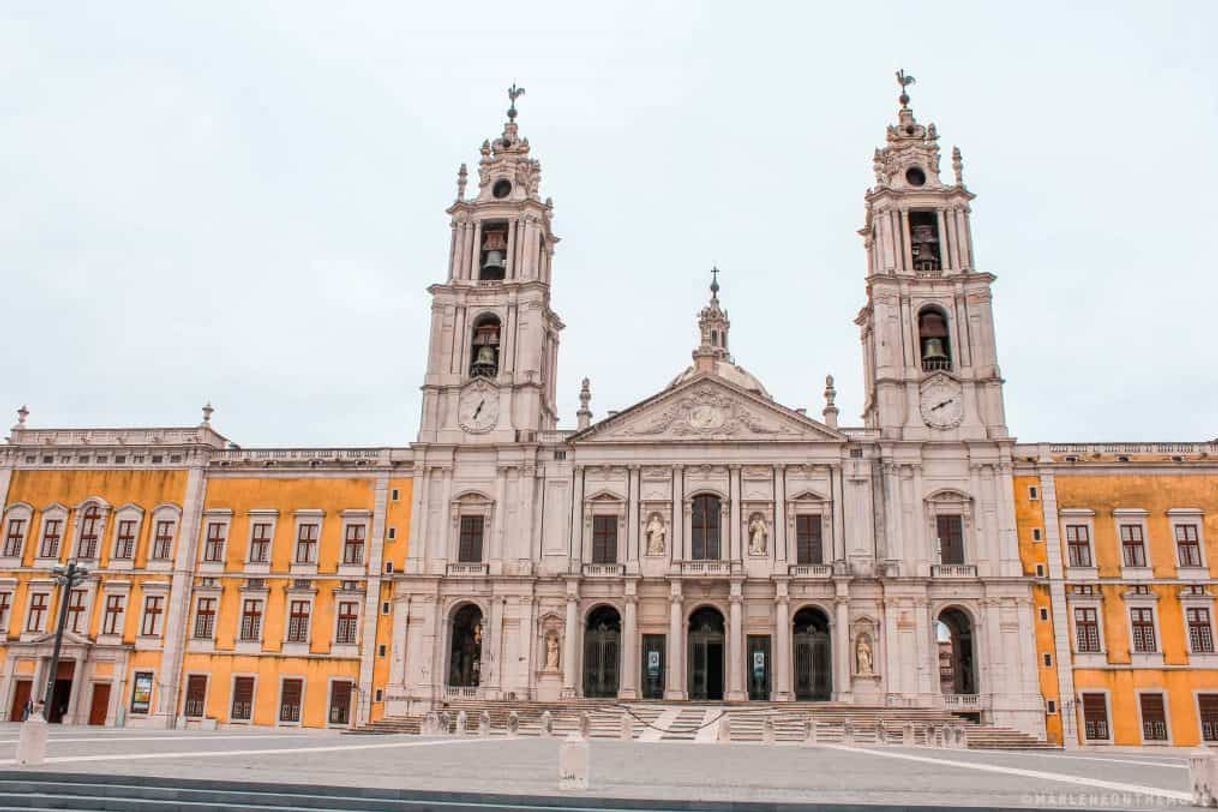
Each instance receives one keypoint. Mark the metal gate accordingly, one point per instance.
(813, 680)
(602, 648)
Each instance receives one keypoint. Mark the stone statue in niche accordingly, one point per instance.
(759, 533)
(862, 656)
(551, 651)
(656, 532)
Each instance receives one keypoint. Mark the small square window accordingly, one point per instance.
(380, 650)
(385, 608)
(1033, 493)
(1052, 707)
(1035, 534)
(380, 695)
(560, 455)
(392, 534)
(389, 567)
(1040, 570)
(1048, 660)
(1044, 613)
(394, 495)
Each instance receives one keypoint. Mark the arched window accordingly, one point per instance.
(933, 340)
(705, 528)
(494, 251)
(484, 350)
(954, 637)
(465, 650)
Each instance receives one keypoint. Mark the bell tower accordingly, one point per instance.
(494, 339)
(931, 365)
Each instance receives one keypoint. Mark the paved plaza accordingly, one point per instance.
(821, 774)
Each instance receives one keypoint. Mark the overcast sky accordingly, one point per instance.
(244, 202)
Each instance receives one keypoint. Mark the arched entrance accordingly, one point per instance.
(957, 668)
(602, 652)
(465, 658)
(812, 656)
(706, 643)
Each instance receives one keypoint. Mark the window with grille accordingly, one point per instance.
(196, 695)
(298, 622)
(162, 540)
(205, 619)
(353, 544)
(1142, 621)
(52, 531)
(1095, 717)
(154, 607)
(1188, 545)
(251, 619)
(1154, 718)
(1078, 545)
(1133, 545)
(469, 547)
(1086, 630)
(1207, 708)
(124, 545)
(243, 699)
(112, 619)
(808, 543)
(950, 530)
(213, 548)
(37, 612)
(76, 611)
(340, 702)
(289, 700)
(260, 543)
(604, 539)
(1200, 632)
(87, 547)
(705, 527)
(348, 623)
(306, 543)
(14, 538)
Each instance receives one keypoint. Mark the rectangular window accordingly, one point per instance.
(1142, 621)
(251, 619)
(37, 613)
(205, 619)
(348, 620)
(1086, 631)
(162, 541)
(1188, 544)
(706, 518)
(951, 539)
(289, 700)
(1154, 718)
(340, 702)
(154, 607)
(1078, 545)
(809, 547)
(1095, 717)
(112, 620)
(469, 549)
(243, 699)
(604, 539)
(15, 537)
(6, 599)
(52, 530)
(1207, 708)
(260, 543)
(1133, 546)
(306, 544)
(87, 546)
(124, 545)
(213, 548)
(353, 544)
(141, 692)
(1200, 632)
(76, 611)
(298, 622)
(196, 696)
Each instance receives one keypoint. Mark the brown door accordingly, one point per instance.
(21, 697)
(340, 703)
(100, 705)
(196, 695)
(1154, 718)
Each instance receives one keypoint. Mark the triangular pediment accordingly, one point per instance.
(707, 408)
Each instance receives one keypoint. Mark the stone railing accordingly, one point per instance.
(706, 567)
(810, 570)
(604, 570)
(197, 435)
(454, 692)
(301, 456)
(478, 568)
(953, 570)
(964, 702)
(1090, 450)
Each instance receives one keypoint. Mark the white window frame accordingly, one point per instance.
(89, 587)
(220, 516)
(1196, 694)
(471, 503)
(17, 510)
(109, 589)
(302, 517)
(203, 643)
(103, 528)
(1078, 516)
(309, 595)
(32, 589)
(242, 645)
(1195, 517)
(8, 586)
(352, 518)
(951, 503)
(255, 517)
(1081, 718)
(1135, 601)
(352, 702)
(1163, 692)
(207, 675)
(232, 695)
(1088, 659)
(304, 691)
(347, 649)
(128, 512)
(163, 513)
(153, 589)
(1199, 601)
(1137, 518)
(608, 504)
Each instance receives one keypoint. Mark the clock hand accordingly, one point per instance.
(478, 411)
(941, 405)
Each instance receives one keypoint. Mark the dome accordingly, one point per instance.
(732, 373)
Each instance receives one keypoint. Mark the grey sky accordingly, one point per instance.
(244, 202)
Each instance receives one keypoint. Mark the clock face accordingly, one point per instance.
(942, 403)
(478, 409)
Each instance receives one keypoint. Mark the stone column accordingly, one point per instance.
(510, 258)
(735, 646)
(577, 519)
(735, 546)
(841, 645)
(906, 248)
(570, 639)
(782, 644)
(676, 542)
(945, 262)
(674, 679)
(781, 553)
(476, 253)
(629, 677)
(633, 520)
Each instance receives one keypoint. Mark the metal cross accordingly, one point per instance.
(714, 279)
(514, 93)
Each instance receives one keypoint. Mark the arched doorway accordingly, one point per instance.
(812, 655)
(957, 667)
(602, 652)
(706, 643)
(465, 660)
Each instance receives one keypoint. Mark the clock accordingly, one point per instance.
(942, 403)
(478, 408)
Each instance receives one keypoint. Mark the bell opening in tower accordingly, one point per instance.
(924, 240)
(933, 340)
(493, 265)
(484, 350)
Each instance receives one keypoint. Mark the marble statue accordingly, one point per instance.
(758, 531)
(551, 652)
(862, 656)
(656, 531)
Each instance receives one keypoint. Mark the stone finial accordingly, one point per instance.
(22, 414)
(958, 166)
(584, 415)
(830, 412)
(208, 409)
(462, 179)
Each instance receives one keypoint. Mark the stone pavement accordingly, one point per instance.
(824, 774)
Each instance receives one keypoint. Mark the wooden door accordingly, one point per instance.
(196, 696)
(100, 706)
(21, 697)
(340, 703)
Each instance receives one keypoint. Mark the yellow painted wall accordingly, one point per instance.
(268, 673)
(398, 517)
(1029, 516)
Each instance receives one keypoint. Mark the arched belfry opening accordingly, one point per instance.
(957, 666)
(706, 654)
(933, 340)
(465, 658)
(602, 652)
(812, 656)
(484, 351)
(493, 264)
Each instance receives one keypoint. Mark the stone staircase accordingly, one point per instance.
(692, 721)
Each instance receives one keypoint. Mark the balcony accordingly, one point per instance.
(604, 570)
(455, 692)
(936, 364)
(953, 570)
(715, 568)
(964, 703)
(810, 570)
(467, 569)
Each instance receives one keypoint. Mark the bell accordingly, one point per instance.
(485, 356)
(934, 350)
(494, 261)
